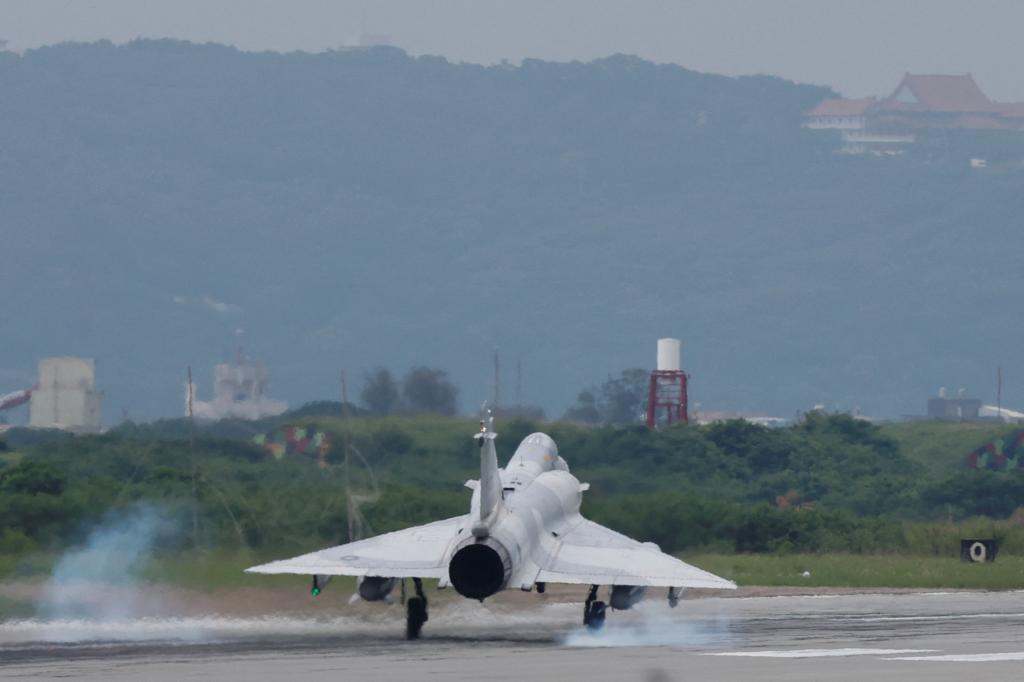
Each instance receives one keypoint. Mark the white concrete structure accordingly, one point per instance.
(67, 397)
(239, 390)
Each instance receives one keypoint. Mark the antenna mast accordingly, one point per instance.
(192, 454)
(519, 381)
(497, 379)
(350, 504)
(999, 392)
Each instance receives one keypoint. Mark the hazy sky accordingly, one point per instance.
(857, 46)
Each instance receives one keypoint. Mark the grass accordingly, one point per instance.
(202, 570)
(864, 571)
(10, 458)
(941, 447)
(12, 608)
(30, 565)
(214, 570)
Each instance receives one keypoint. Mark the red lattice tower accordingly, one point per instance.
(668, 395)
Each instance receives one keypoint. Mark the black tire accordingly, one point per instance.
(415, 617)
(595, 619)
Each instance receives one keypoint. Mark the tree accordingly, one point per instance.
(625, 397)
(380, 392)
(425, 389)
(323, 408)
(33, 478)
(619, 400)
(585, 409)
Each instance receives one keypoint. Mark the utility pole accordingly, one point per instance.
(497, 379)
(519, 381)
(999, 392)
(350, 513)
(192, 454)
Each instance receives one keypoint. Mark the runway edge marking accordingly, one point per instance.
(964, 658)
(819, 653)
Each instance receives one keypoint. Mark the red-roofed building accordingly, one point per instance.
(935, 94)
(830, 108)
(851, 116)
(844, 114)
(1013, 112)
(918, 104)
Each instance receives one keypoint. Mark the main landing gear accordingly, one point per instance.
(415, 611)
(594, 611)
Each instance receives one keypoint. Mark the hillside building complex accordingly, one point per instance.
(239, 391)
(920, 104)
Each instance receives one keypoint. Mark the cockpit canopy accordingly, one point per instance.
(539, 452)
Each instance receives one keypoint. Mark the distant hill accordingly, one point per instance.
(361, 208)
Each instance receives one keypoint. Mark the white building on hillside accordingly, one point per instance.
(67, 397)
(239, 391)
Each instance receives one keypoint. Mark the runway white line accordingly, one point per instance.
(820, 653)
(954, 616)
(965, 658)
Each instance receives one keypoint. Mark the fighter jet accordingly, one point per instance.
(523, 531)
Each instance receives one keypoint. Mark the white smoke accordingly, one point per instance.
(649, 624)
(208, 302)
(113, 555)
(220, 306)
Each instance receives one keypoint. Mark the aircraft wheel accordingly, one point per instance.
(415, 617)
(595, 616)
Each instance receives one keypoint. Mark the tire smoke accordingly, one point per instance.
(654, 625)
(112, 555)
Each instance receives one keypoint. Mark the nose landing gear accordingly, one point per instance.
(415, 611)
(594, 611)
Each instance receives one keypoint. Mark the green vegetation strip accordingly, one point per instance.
(830, 485)
(864, 571)
(12, 608)
(215, 570)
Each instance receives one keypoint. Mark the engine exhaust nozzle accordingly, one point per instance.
(480, 568)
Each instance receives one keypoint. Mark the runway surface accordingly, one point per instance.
(928, 636)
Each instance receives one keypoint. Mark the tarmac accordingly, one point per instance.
(918, 636)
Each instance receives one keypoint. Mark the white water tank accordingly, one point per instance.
(669, 355)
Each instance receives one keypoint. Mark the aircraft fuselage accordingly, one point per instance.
(540, 502)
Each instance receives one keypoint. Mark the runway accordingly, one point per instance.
(926, 636)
